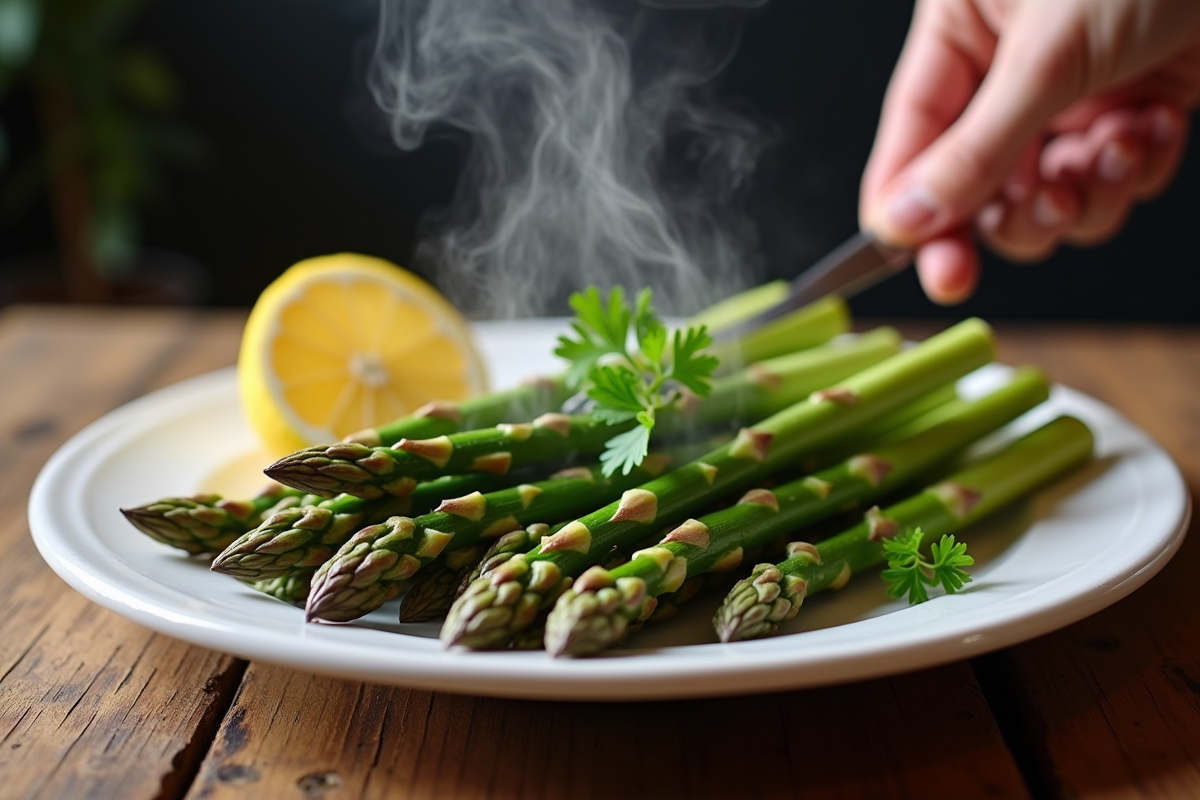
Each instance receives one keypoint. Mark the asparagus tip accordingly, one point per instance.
(498, 606)
(756, 605)
(589, 621)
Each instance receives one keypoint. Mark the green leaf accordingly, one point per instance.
(600, 329)
(948, 559)
(908, 573)
(689, 365)
(582, 353)
(634, 387)
(625, 451)
(652, 342)
(610, 323)
(615, 390)
(905, 581)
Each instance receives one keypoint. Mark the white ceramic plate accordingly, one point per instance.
(1075, 548)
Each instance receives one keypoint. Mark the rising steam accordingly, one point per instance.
(596, 154)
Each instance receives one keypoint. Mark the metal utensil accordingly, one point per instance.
(856, 264)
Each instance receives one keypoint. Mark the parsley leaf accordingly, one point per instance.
(625, 450)
(627, 383)
(689, 365)
(601, 328)
(616, 391)
(908, 572)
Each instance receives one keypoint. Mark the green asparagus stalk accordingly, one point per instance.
(754, 393)
(594, 614)
(369, 472)
(291, 589)
(302, 537)
(532, 398)
(772, 595)
(742, 306)
(208, 523)
(809, 326)
(493, 609)
(769, 386)
(374, 563)
(434, 588)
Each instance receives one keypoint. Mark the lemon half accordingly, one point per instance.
(344, 342)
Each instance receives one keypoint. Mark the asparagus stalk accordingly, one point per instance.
(301, 537)
(372, 565)
(207, 523)
(495, 608)
(595, 612)
(434, 588)
(291, 589)
(769, 386)
(756, 392)
(532, 398)
(806, 327)
(742, 306)
(772, 595)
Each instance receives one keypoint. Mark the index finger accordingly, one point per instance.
(941, 66)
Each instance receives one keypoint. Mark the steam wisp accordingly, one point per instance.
(596, 152)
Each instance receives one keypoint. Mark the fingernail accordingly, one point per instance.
(1164, 126)
(911, 210)
(1115, 163)
(1046, 212)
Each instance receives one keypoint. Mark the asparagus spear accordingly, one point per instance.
(595, 612)
(434, 588)
(757, 605)
(806, 327)
(771, 385)
(373, 564)
(207, 523)
(442, 417)
(305, 536)
(291, 589)
(493, 609)
(756, 392)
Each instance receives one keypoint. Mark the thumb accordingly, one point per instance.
(1030, 79)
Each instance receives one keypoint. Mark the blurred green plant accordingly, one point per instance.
(104, 109)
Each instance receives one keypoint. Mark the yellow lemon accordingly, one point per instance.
(345, 342)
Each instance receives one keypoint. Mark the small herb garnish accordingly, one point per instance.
(635, 383)
(909, 573)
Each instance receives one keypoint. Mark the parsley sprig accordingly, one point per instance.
(909, 572)
(626, 382)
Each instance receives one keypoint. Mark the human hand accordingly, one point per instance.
(1027, 123)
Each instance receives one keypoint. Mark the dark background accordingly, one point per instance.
(296, 165)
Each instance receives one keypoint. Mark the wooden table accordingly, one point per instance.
(92, 705)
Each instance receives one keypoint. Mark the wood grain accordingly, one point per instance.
(292, 734)
(91, 704)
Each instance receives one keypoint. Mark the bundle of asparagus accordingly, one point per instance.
(529, 519)
(498, 606)
(772, 594)
(588, 619)
(276, 537)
